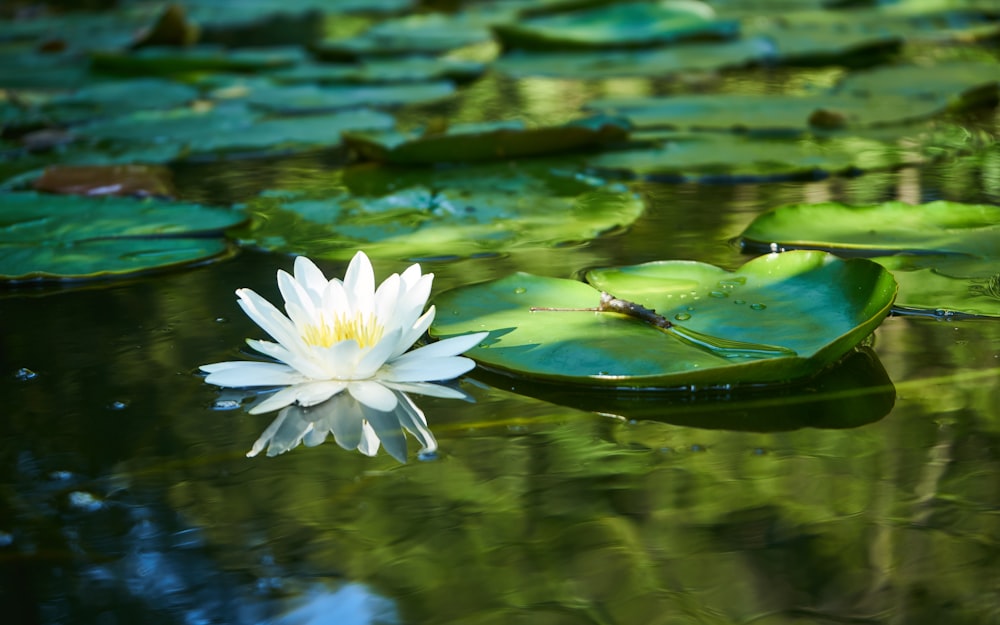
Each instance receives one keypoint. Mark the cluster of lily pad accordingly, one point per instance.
(88, 94)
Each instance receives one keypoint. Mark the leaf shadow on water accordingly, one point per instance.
(853, 392)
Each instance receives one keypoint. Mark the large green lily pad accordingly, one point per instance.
(58, 237)
(618, 25)
(463, 211)
(945, 255)
(777, 318)
(485, 141)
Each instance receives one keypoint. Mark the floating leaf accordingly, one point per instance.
(946, 285)
(454, 212)
(227, 127)
(713, 157)
(658, 62)
(397, 70)
(304, 99)
(77, 237)
(618, 25)
(485, 141)
(168, 60)
(946, 253)
(415, 34)
(778, 318)
(891, 227)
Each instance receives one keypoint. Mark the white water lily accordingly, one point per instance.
(346, 336)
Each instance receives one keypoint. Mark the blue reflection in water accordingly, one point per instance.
(351, 604)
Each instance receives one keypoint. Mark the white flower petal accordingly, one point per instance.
(312, 393)
(301, 362)
(411, 275)
(427, 388)
(267, 434)
(310, 277)
(345, 418)
(302, 309)
(269, 318)
(387, 300)
(373, 395)
(282, 398)
(414, 421)
(336, 300)
(369, 440)
(446, 347)
(408, 338)
(427, 369)
(388, 430)
(373, 358)
(359, 282)
(249, 373)
(340, 360)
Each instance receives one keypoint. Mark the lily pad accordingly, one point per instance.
(56, 237)
(940, 227)
(778, 318)
(433, 33)
(619, 25)
(773, 114)
(947, 286)
(725, 157)
(957, 81)
(697, 56)
(227, 127)
(304, 99)
(113, 98)
(485, 141)
(464, 211)
(169, 60)
(944, 254)
(376, 71)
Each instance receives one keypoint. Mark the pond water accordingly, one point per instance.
(868, 495)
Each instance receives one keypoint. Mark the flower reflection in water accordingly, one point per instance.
(354, 425)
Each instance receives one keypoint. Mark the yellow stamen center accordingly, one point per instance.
(363, 328)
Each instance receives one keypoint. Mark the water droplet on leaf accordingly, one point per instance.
(682, 316)
(758, 306)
